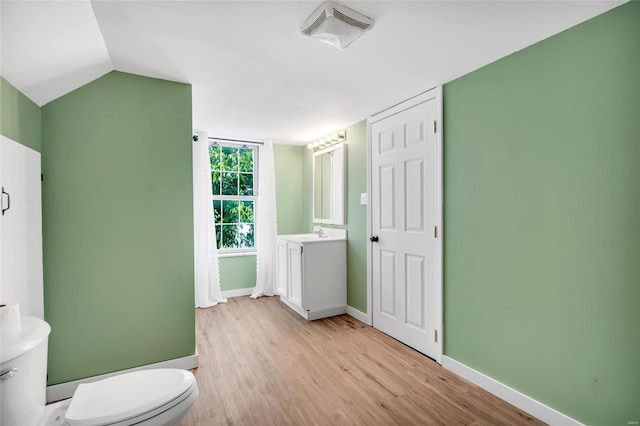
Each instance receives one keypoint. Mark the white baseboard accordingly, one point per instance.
(360, 316)
(66, 390)
(237, 292)
(512, 396)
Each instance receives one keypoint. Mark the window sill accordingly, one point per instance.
(237, 254)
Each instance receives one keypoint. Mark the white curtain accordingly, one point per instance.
(207, 273)
(266, 228)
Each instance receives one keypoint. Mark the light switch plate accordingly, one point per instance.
(364, 199)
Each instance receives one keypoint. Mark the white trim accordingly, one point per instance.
(369, 218)
(423, 97)
(237, 254)
(237, 292)
(359, 315)
(512, 396)
(435, 93)
(440, 199)
(386, 112)
(66, 390)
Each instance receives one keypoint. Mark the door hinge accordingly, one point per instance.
(301, 249)
(435, 336)
(41, 177)
(435, 126)
(435, 232)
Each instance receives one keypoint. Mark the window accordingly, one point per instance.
(234, 180)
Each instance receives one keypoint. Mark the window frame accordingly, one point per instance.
(255, 147)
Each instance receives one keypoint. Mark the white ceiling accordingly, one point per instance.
(253, 74)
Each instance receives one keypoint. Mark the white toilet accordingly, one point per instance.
(149, 397)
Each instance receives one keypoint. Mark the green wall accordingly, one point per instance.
(118, 226)
(542, 246)
(356, 225)
(357, 216)
(20, 118)
(238, 272)
(289, 195)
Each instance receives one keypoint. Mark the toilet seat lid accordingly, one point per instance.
(126, 396)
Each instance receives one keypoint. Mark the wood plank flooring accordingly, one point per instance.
(262, 364)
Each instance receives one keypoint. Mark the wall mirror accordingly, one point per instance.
(329, 183)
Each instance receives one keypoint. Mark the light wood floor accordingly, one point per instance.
(262, 364)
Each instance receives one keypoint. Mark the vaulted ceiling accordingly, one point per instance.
(253, 74)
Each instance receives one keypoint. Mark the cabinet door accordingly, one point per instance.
(295, 274)
(283, 270)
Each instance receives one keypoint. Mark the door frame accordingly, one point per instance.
(436, 93)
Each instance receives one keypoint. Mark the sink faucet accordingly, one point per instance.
(319, 232)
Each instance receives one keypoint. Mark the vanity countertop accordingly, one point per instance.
(328, 234)
(309, 238)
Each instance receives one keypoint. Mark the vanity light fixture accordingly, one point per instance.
(328, 141)
(336, 25)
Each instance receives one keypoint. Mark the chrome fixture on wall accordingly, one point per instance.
(328, 140)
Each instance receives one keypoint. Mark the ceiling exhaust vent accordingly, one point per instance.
(336, 25)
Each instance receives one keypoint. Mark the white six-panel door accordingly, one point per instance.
(405, 213)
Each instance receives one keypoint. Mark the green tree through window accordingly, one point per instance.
(234, 180)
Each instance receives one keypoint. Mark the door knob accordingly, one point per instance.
(374, 239)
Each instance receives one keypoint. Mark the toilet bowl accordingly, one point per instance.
(158, 397)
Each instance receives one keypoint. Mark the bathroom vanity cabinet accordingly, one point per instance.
(312, 273)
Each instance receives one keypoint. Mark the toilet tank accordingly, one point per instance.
(23, 373)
